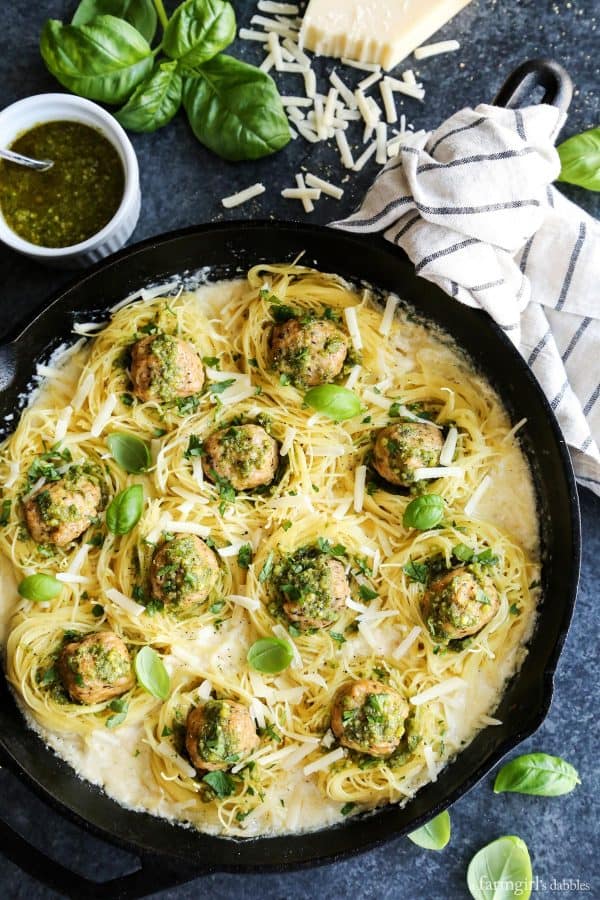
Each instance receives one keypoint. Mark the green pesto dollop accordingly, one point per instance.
(92, 663)
(378, 720)
(405, 447)
(241, 452)
(55, 506)
(183, 570)
(464, 604)
(311, 586)
(74, 199)
(165, 377)
(216, 738)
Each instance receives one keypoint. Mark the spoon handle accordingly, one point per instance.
(41, 165)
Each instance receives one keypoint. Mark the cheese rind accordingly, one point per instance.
(374, 31)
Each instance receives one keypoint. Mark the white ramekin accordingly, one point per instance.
(25, 114)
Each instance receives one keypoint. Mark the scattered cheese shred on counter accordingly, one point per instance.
(326, 187)
(428, 50)
(344, 148)
(320, 764)
(243, 196)
(283, 9)
(363, 66)
(365, 157)
(389, 104)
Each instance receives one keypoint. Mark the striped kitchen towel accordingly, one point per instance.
(473, 206)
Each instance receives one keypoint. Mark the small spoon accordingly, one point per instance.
(41, 165)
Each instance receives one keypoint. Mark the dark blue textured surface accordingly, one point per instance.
(181, 185)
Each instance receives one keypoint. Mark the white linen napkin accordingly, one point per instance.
(473, 206)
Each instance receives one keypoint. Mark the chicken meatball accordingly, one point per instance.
(164, 368)
(369, 717)
(96, 668)
(312, 588)
(183, 571)
(218, 734)
(309, 351)
(400, 449)
(459, 604)
(245, 455)
(60, 512)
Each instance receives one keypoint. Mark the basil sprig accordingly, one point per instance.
(433, 835)
(105, 54)
(580, 160)
(125, 510)
(139, 13)
(129, 451)
(501, 870)
(537, 773)
(151, 673)
(337, 403)
(40, 587)
(270, 655)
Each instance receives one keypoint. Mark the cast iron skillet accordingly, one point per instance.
(171, 855)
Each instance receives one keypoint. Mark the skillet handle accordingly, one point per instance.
(545, 73)
(154, 874)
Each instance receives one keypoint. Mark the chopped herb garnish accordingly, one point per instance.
(221, 386)
(166, 732)
(336, 636)
(5, 512)
(217, 606)
(244, 556)
(286, 525)
(416, 571)
(97, 610)
(195, 447)
(267, 567)
(220, 783)
(367, 593)
(347, 808)
(284, 379)
(463, 553)
(127, 399)
(212, 361)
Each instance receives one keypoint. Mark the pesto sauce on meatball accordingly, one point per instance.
(59, 512)
(244, 455)
(401, 449)
(96, 668)
(459, 604)
(309, 351)
(218, 734)
(183, 571)
(164, 368)
(312, 588)
(370, 717)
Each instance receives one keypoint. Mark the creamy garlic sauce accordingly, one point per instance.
(119, 761)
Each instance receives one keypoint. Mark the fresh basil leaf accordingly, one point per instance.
(125, 510)
(104, 60)
(424, 512)
(198, 30)
(151, 673)
(129, 451)
(580, 160)
(501, 871)
(139, 13)
(416, 571)
(270, 655)
(40, 587)
(221, 783)
(434, 835)
(463, 552)
(154, 102)
(235, 110)
(538, 774)
(337, 403)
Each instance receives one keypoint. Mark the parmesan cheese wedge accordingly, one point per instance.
(373, 31)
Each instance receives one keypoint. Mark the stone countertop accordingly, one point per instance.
(182, 184)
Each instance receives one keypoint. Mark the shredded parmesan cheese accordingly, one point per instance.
(250, 603)
(103, 417)
(288, 440)
(423, 472)
(84, 389)
(353, 377)
(438, 690)
(430, 762)
(352, 323)
(280, 632)
(477, 494)
(405, 645)
(324, 762)
(126, 603)
(449, 448)
(360, 478)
